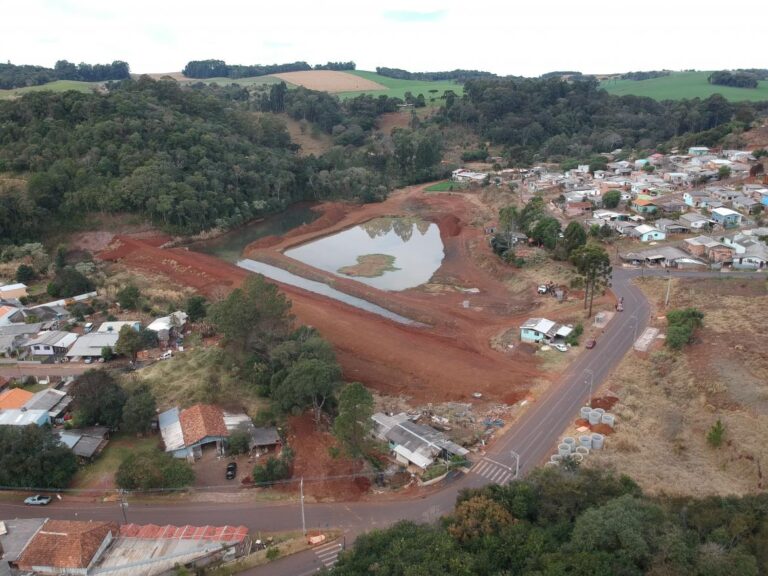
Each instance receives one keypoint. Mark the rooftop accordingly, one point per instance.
(200, 421)
(91, 344)
(14, 398)
(66, 544)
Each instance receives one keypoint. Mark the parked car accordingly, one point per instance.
(231, 470)
(37, 500)
(542, 289)
(166, 355)
(591, 343)
(561, 347)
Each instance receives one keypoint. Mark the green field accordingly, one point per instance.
(446, 186)
(57, 86)
(397, 88)
(244, 82)
(679, 85)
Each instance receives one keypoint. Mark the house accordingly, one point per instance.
(414, 443)
(166, 325)
(646, 233)
(462, 175)
(17, 290)
(186, 432)
(695, 221)
(91, 345)
(541, 330)
(55, 314)
(24, 417)
(54, 402)
(676, 178)
(671, 205)
(117, 325)
(697, 198)
(13, 336)
(724, 194)
(15, 534)
(698, 151)
(52, 343)
(66, 547)
(726, 217)
(86, 443)
(755, 257)
(704, 246)
(14, 398)
(644, 206)
(670, 226)
(746, 203)
(665, 256)
(150, 550)
(261, 438)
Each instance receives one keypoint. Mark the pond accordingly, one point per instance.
(230, 246)
(285, 277)
(386, 253)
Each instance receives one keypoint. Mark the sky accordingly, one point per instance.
(519, 37)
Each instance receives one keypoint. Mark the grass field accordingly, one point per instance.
(101, 473)
(446, 186)
(57, 86)
(679, 85)
(397, 88)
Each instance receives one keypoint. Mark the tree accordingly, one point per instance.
(129, 297)
(546, 232)
(129, 343)
(33, 457)
(477, 517)
(594, 266)
(681, 326)
(612, 198)
(716, 434)
(252, 318)
(69, 282)
(196, 308)
(724, 172)
(353, 424)
(574, 237)
(274, 469)
(97, 399)
(107, 353)
(153, 470)
(509, 217)
(308, 383)
(238, 442)
(25, 273)
(139, 410)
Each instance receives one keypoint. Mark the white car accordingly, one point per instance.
(561, 347)
(166, 355)
(542, 289)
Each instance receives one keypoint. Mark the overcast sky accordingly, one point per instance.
(522, 37)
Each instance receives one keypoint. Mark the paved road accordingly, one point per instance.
(533, 437)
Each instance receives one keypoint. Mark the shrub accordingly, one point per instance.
(716, 434)
(681, 326)
(153, 471)
(25, 273)
(238, 442)
(274, 469)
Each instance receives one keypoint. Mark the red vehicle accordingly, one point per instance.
(591, 343)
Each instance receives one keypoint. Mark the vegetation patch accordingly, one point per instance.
(680, 85)
(370, 266)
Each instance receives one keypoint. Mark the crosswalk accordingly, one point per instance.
(494, 471)
(328, 554)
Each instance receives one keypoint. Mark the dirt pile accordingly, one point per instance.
(449, 225)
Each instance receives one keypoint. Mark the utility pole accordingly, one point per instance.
(303, 519)
(123, 505)
(669, 286)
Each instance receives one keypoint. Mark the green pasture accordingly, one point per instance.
(679, 85)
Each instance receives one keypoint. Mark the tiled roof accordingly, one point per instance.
(66, 544)
(15, 398)
(215, 533)
(200, 421)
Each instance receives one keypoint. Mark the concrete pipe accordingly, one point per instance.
(586, 441)
(594, 417)
(597, 441)
(608, 419)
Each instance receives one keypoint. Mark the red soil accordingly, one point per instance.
(449, 360)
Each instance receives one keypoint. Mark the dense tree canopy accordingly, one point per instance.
(578, 523)
(97, 399)
(13, 76)
(33, 457)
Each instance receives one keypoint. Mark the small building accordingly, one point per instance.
(117, 326)
(86, 443)
(695, 221)
(91, 345)
(52, 343)
(463, 175)
(671, 205)
(15, 534)
(670, 226)
(746, 203)
(24, 417)
(167, 325)
(726, 217)
(697, 198)
(14, 398)
(646, 233)
(17, 290)
(714, 251)
(698, 151)
(664, 256)
(66, 547)
(414, 443)
(186, 432)
(644, 206)
(541, 330)
(55, 402)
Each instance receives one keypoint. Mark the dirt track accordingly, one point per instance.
(450, 360)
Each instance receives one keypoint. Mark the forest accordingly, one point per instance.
(458, 75)
(538, 119)
(580, 522)
(13, 76)
(219, 68)
(735, 79)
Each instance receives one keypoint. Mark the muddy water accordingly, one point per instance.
(286, 277)
(230, 246)
(414, 244)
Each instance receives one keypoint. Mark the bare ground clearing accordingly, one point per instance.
(329, 81)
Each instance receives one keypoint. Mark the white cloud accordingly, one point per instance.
(526, 37)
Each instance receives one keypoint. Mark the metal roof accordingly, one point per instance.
(22, 417)
(48, 399)
(56, 338)
(91, 344)
(170, 430)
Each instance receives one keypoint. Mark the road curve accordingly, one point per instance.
(533, 437)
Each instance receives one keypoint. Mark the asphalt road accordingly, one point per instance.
(533, 438)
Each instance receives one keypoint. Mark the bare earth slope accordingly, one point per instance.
(329, 81)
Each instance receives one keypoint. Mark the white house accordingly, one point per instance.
(462, 175)
(117, 326)
(91, 345)
(646, 233)
(540, 330)
(53, 343)
(165, 325)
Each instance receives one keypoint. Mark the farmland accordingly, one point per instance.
(679, 85)
(57, 86)
(396, 88)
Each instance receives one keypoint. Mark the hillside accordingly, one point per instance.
(396, 88)
(679, 85)
(56, 86)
